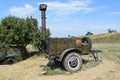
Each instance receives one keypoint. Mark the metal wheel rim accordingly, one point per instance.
(73, 62)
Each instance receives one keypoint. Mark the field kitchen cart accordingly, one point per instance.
(68, 51)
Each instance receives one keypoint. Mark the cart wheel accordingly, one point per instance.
(72, 62)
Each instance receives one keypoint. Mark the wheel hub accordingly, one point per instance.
(73, 62)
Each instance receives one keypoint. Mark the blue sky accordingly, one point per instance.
(68, 17)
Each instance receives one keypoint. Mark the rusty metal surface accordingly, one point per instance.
(57, 45)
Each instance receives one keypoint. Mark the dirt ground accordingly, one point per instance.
(31, 70)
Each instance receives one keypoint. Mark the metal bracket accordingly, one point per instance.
(95, 54)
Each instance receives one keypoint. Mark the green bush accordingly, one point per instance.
(20, 32)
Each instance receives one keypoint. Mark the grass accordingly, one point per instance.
(111, 51)
(106, 38)
(55, 69)
(88, 64)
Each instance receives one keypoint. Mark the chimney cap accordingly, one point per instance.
(43, 7)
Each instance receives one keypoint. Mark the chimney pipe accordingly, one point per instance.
(43, 8)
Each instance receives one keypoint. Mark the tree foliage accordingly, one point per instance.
(37, 37)
(20, 32)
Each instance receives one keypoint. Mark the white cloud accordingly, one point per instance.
(115, 13)
(27, 10)
(69, 7)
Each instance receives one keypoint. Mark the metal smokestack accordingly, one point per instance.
(43, 8)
